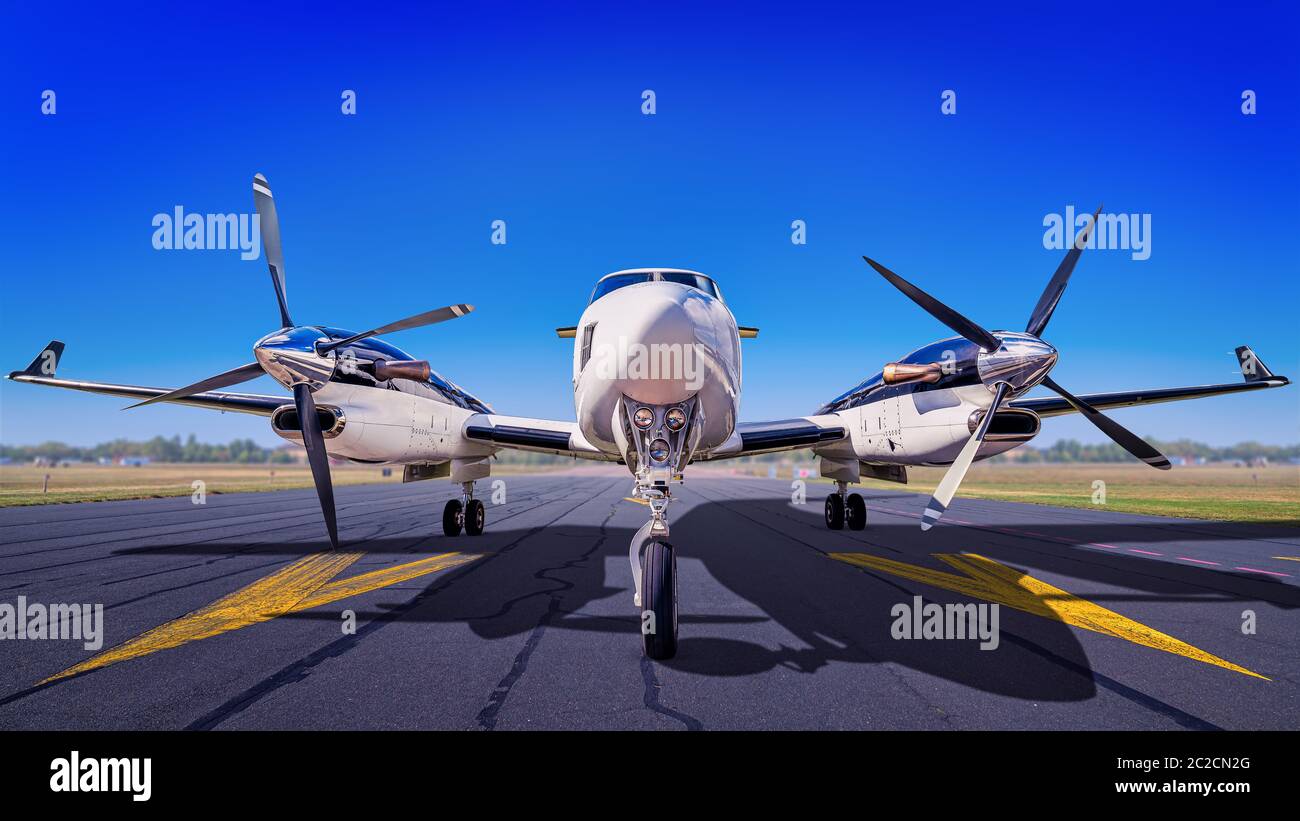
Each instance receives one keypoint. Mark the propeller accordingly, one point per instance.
(314, 441)
(1012, 363)
(1121, 435)
(418, 321)
(1056, 285)
(270, 226)
(952, 479)
(234, 376)
(960, 324)
(302, 358)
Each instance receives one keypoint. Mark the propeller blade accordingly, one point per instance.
(222, 380)
(314, 440)
(1121, 435)
(419, 320)
(270, 225)
(938, 310)
(952, 479)
(1056, 285)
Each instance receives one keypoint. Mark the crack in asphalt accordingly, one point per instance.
(487, 717)
(651, 697)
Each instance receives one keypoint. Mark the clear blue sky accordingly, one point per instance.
(830, 114)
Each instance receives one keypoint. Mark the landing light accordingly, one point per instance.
(643, 418)
(675, 419)
(659, 450)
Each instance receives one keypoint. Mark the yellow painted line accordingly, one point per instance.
(638, 501)
(986, 579)
(365, 582)
(300, 585)
(1288, 558)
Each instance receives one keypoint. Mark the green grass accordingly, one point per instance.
(1213, 492)
(23, 484)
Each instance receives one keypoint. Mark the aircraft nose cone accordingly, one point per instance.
(649, 344)
(1022, 361)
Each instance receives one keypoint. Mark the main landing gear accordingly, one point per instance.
(654, 570)
(467, 513)
(841, 510)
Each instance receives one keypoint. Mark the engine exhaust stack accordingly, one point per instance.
(897, 373)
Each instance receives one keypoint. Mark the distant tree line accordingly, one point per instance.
(241, 451)
(157, 449)
(1071, 450)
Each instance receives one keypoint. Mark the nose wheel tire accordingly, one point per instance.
(659, 600)
(855, 512)
(453, 518)
(835, 512)
(475, 517)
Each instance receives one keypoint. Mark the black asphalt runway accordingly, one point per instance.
(540, 631)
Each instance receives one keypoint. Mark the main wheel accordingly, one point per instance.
(452, 518)
(835, 512)
(659, 600)
(475, 516)
(855, 512)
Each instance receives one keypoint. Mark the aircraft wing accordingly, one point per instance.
(752, 438)
(536, 435)
(1257, 377)
(41, 372)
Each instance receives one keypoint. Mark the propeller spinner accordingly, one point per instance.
(300, 357)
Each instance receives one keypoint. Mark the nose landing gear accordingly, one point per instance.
(467, 513)
(654, 572)
(841, 509)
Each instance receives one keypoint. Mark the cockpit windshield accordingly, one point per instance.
(696, 281)
(613, 283)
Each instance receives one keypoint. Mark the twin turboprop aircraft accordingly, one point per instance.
(657, 380)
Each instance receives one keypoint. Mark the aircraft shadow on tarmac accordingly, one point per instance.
(773, 556)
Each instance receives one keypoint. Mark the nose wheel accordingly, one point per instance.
(659, 611)
(468, 515)
(842, 510)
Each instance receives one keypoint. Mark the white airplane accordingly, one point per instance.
(657, 381)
